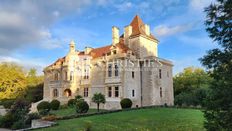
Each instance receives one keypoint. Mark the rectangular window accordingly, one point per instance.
(161, 92)
(116, 70)
(160, 73)
(109, 70)
(86, 92)
(56, 77)
(65, 75)
(109, 92)
(116, 91)
(133, 93)
(86, 74)
(133, 74)
(71, 75)
(167, 73)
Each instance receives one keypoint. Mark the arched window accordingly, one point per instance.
(67, 92)
(161, 93)
(55, 93)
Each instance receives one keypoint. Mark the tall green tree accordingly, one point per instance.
(218, 23)
(98, 98)
(190, 79)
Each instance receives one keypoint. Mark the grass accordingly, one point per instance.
(69, 111)
(140, 120)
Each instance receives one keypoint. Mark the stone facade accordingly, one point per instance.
(127, 68)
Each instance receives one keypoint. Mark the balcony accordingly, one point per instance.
(59, 84)
(85, 81)
(54, 84)
(112, 80)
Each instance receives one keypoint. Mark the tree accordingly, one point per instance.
(190, 79)
(219, 63)
(98, 98)
(12, 81)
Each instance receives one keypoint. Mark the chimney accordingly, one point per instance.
(88, 49)
(72, 46)
(115, 35)
(146, 29)
(127, 31)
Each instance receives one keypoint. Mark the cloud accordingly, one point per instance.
(181, 63)
(125, 6)
(164, 30)
(25, 22)
(203, 42)
(199, 5)
(25, 63)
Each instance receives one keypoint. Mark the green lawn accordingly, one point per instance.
(140, 120)
(70, 111)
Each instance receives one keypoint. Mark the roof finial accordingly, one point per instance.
(72, 46)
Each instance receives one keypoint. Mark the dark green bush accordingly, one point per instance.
(30, 117)
(15, 117)
(7, 121)
(18, 125)
(43, 107)
(126, 103)
(72, 102)
(82, 106)
(55, 104)
(7, 103)
(78, 97)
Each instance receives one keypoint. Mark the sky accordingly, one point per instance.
(34, 33)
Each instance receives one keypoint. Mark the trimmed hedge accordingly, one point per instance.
(55, 104)
(72, 102)
(126, 103)
(82, 106)
(7, 103)
(43, 107)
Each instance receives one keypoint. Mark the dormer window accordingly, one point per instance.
(114, 52)
(108, 53)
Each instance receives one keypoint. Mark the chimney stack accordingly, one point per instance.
(146, 29)
(115, 35)
(127, 31)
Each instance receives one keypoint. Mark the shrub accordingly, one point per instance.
(18, 125)
(82, 106)
(7, 121)
(72, 102)
(43, 107)
(49, 118)
(7, 103)
(126, 103)
(55, 104)
(78, 97)
(32, 116)
(16, 115)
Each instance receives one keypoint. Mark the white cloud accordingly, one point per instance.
(26, 63)
(124, 6)
(26, 22)
(199, 5)
(164, 30)
(203, 42)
